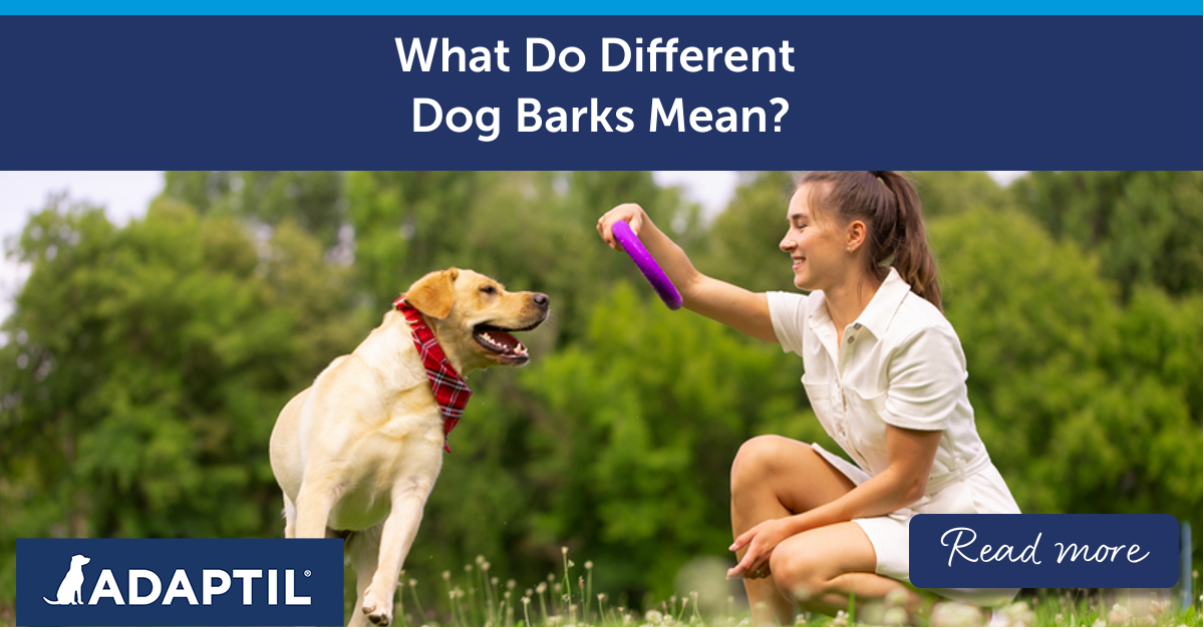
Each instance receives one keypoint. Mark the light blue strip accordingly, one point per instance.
(616, 7)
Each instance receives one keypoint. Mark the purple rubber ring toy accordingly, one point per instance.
(647, 264)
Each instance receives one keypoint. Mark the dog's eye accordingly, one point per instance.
(488, 290)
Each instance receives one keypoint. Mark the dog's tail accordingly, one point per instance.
(52, 603)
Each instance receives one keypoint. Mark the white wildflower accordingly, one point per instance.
(897, 597)
(895, 617)
(1118, 616)
(956, 614)
(840, 620)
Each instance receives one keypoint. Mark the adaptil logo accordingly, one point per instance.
(73, 582)
(174, 582)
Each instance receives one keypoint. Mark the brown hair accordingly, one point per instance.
(890, 207)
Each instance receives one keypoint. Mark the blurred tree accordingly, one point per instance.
(1145, 226)
(1078, 399)
(311, 199)
(742, 247)
(951, 192)
(150, 364)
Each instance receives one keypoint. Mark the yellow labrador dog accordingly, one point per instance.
(358, 452)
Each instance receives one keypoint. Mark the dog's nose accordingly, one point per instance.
(541, 300)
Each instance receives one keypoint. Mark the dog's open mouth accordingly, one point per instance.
(499, 341)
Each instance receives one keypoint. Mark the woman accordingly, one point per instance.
(885, 375)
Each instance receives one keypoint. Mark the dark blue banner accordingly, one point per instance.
(1044, 550)
(166, 582)
(601, 92)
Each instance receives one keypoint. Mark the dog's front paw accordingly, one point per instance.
(379, 613)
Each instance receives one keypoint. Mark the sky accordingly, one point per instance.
(127, 194)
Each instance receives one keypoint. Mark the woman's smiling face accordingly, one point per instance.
(817, 246)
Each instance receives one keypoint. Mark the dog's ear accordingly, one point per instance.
(434, 293)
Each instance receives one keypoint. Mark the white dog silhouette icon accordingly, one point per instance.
(70, 590)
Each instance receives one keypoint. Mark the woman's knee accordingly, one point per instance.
(757, 460)
(798, 573)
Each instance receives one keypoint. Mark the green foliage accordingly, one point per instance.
(1086, 405)
(145, 365)
(947, 193)
(312, 200)
(1145, 226)
(151, 363)
(743, 244)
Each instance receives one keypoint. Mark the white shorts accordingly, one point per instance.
(984, 492)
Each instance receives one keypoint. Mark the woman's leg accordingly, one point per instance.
(818, 569)
(775, 477)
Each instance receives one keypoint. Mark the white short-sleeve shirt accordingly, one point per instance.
(900, 363)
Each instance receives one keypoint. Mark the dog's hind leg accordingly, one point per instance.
(290, 518)
(363, 548)
(314, 502)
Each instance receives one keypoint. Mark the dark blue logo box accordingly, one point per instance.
(177, 582)
(1044, 550)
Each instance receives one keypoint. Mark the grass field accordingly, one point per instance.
(474, 597)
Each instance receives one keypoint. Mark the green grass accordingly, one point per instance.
(475, 597)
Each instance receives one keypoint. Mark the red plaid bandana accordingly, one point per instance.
(449, 388)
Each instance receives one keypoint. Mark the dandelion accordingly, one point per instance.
(493, 581)
(601, 597)
(468, 568)
(413, 582)
(480, 559)
(564, 551)
(1099, 623)
(542, 588)
(840, 620)
(654, 617)
(589, 565)
(510, 584)
(447, 576)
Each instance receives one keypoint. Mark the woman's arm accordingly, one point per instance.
(910, 453)
(741, 309)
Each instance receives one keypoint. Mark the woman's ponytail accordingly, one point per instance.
(912, 258)
(890, 207)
